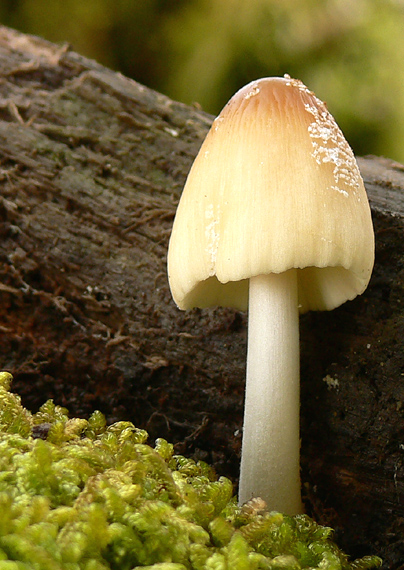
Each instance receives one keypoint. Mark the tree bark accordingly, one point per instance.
(91, 168)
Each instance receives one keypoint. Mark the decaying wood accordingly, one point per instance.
(91, 168)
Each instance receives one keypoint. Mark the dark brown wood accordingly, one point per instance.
(91, 168)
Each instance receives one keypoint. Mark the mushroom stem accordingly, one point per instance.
(271, 440)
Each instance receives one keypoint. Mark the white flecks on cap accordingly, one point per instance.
(329, 145)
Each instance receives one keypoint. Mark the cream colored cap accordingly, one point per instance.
(275, 186)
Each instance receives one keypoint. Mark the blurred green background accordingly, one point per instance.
(350, 52)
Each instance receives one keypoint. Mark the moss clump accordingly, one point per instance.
(76, 494)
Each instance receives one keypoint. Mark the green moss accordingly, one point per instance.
(96, 497)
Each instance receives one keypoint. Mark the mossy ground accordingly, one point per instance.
(78, 494)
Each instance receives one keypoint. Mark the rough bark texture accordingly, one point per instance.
(91, 168)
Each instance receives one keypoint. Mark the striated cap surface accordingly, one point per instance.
(275, 186)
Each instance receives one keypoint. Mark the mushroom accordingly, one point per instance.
(273, 216)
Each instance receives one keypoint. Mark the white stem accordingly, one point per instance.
(271, 442)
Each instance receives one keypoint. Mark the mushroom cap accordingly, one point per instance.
(274, 186)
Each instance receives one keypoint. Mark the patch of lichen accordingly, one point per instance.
(97, 497)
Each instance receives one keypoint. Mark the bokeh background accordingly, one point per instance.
(350, 52)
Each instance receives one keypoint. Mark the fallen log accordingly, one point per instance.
(92, 165)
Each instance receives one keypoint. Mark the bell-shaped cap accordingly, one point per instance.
(275, 186)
